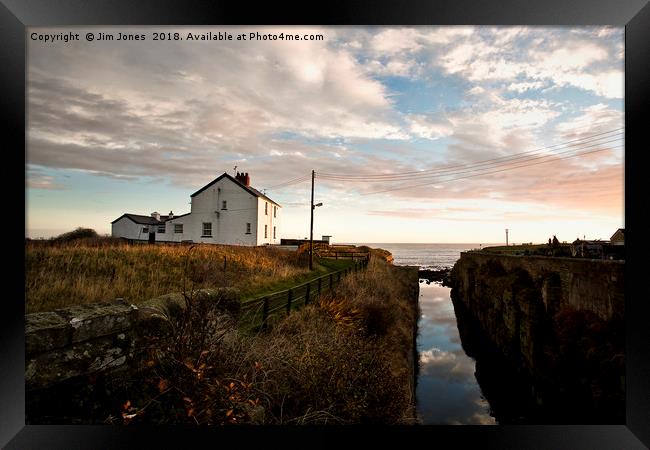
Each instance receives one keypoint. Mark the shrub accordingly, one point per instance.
(78, 233)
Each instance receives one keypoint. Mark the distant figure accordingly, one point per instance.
(549, 241)
(556, 243)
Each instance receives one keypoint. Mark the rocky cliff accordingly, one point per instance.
(556, 322)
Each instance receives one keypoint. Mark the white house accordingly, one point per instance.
(225, 211)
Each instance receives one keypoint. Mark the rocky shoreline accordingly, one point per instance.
(437, 275)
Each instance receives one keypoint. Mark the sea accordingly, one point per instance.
(447, 391)
(426, 256)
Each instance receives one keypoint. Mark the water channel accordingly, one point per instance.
(447, 392)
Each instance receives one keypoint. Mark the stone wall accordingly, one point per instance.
(584, 284)
(558, 321)
(67, 347)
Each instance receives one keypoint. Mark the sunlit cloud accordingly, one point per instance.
(371, 100)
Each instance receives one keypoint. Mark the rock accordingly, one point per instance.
(93, 356)
(440, 275)
(45, 331)
(98, 319)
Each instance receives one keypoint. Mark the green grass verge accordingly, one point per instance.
(321, 267)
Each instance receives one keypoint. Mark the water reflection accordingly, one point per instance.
(447, 391)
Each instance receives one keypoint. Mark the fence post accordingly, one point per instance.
(320, 280)
(289, 299)
(265, 313)
(307, 293)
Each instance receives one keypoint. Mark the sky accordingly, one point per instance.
(138, 125)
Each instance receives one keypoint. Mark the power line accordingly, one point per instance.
(489, 172)
(526, 154)
(523, 159)
(288, 183)
(565, 143)
(493, 165)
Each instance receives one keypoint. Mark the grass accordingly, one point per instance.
(60, 274)
(344, 360)
(321, 267)
(531, 249)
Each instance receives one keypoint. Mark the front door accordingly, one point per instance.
(152, 238)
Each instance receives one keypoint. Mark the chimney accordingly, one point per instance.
(171, 215)
(247, 179)
(156, 215)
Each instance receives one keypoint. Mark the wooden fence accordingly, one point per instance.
(339, 252)
(343, 255)
(256, 313)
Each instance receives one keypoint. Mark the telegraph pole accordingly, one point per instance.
(506, 237)
(311, 226)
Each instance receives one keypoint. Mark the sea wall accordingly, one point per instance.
(584, 284)
(556, 321)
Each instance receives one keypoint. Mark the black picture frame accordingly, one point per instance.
(16, 15)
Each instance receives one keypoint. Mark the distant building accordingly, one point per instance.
(325, 240)
(597, 249)
(618, 238)
(225, 211)
(587, 249)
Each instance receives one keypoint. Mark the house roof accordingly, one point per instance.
(251, 190)
(147, 220)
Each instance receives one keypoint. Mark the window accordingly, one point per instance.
(273, 232)
(178, 228)
(207, 229)
(145, 229)
(248, 228)
(266, 227)
(161, 228)
(266, 209)
(275, 211)
(224, 205)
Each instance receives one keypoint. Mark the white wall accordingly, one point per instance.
(269, 221)
(169, 234)
(230, 225)
(127, 228)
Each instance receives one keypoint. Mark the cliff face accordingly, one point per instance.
(557, 322)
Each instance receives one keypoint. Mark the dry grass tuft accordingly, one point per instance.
(93, 270)
(343, 362)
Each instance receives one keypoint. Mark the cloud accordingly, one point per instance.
(38, 180)
(400, 40)
(559, 59)
(597, 118)
(445, 365)
(132, 111)
(396, 40)
(525, 86)
(424, 127)
(185, 112)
